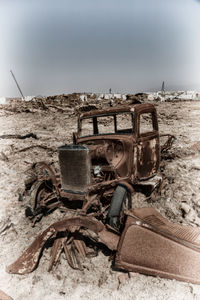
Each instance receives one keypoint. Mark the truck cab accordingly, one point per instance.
(123, 142)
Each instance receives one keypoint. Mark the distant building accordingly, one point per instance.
(3, 100)
(173, 95)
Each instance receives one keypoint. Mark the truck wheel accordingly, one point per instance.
(43, 191)
(39, 192)
(121, 200)
(33, 198)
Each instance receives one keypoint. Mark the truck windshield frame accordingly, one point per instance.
(96, 124)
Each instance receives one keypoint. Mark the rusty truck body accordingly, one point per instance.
(114, 151)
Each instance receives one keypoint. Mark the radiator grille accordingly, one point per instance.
(75, 168)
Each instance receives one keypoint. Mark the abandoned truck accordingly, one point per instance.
(107, 162)
(114, 153)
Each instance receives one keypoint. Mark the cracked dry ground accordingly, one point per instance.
(179, 202)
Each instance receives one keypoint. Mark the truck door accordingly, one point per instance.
(148, 149)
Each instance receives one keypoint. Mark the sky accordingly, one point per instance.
(66, 46)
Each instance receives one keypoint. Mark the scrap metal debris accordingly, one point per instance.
(148, 244)
(29, 259)
(168, 144)
(4, 296)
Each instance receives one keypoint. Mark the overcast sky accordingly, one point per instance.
(64, 46)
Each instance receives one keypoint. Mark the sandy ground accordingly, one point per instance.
(179, 201)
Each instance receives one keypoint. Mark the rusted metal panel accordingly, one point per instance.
(151, 245)
(148, 153)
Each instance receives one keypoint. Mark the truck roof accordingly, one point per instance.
(118, 109)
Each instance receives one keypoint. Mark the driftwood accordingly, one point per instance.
(18, 136)
(35, 146)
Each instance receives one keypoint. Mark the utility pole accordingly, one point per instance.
(17, 83)
(163, 88)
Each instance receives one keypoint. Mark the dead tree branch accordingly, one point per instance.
(18, 136)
